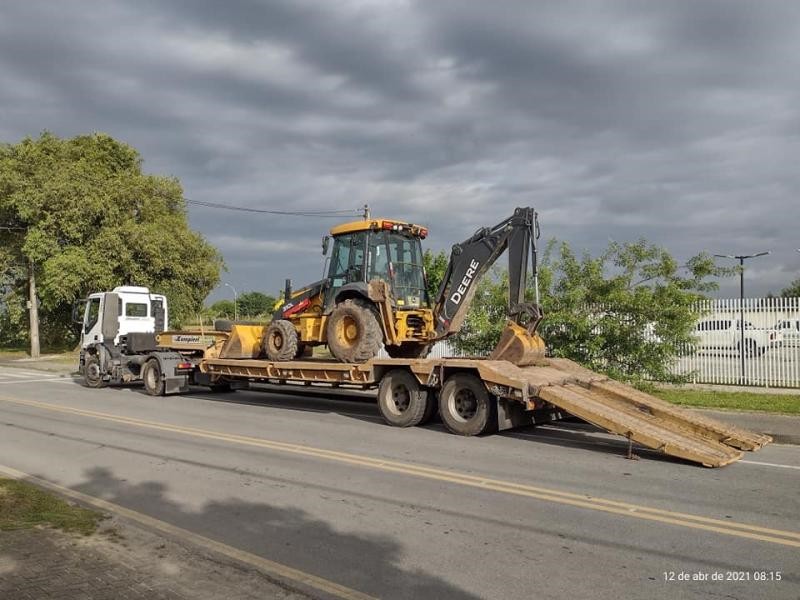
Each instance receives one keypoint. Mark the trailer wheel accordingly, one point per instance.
(401, 399)
(92, 376)
(280, 341)
(220, 388)
(353, 331)
(466, 407)
(151, 375)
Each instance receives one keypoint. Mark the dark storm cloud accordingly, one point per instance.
(675, 121)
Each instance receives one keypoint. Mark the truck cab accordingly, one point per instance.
(109, 317)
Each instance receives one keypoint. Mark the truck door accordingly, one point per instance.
(90, 333)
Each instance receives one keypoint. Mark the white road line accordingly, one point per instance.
(766, 464)
(54, 379)
(20, 373)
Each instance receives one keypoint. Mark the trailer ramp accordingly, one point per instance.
(638, 416)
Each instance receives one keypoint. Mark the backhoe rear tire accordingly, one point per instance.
(409, 350)
(465, 406)
(353, 331)
(280, 341)
(402, 400)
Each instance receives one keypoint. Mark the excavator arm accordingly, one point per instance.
(469, 262)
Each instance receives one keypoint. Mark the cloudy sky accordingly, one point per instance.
(677, 121)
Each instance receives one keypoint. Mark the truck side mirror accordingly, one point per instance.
(78, 308)
(325, 242)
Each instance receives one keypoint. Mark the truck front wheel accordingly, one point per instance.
(151, 375)
(466, 407)
(92, 375)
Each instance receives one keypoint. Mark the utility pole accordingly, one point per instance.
(33, 307)
(741, 258)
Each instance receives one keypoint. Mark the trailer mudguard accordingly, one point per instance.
(174, 383)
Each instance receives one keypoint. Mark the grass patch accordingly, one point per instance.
(23, 506)
(774, 403)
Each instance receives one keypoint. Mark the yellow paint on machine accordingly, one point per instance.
(584, 501)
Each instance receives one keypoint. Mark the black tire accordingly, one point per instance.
(223, 325)
(280, 341)
(92, 376)
(409, 350)
(151, 376)
(353, 331)
(466, 407)
(220, 388)
(431, 409)
(401, 399)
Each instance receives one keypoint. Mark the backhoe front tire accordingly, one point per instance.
(353, 331)
(280, 341)
(465, 406)
(402, 401)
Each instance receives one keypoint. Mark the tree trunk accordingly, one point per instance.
(34, 312)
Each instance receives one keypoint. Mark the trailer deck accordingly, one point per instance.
(552, 385)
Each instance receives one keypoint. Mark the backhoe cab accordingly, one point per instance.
(374, 294)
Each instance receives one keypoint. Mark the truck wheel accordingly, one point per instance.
(409, 350)
(354, 334)
(401, 399)
(151, 375)
(92, 376)
(280, 341)
(466, 407)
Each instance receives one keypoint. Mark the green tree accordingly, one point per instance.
(85, 215)
(255, 304)
(435, 266)
(627, 312)
(793, 291)
(221, 309)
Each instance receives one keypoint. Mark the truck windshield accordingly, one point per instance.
(397, 258)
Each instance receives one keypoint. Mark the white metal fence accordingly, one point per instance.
(769, 357)
(765, 352)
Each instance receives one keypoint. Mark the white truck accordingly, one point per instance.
(725, 334)
(118, 342)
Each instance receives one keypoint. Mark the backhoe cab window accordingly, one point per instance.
(347, 260)
(397, 258)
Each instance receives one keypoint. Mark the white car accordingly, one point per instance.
(726, 334)
(790, 330)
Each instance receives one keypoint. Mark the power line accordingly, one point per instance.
(293, 213)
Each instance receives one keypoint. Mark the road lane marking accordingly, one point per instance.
(54, 379)
(768, 464)
(732, 528)
(273, 568)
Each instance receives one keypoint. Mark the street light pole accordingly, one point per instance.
(235, 314)
(741, 258)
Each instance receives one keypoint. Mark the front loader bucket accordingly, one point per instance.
(518, 346)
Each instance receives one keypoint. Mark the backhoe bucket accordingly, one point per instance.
(518, 346)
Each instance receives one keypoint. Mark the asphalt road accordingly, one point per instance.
(323, 486)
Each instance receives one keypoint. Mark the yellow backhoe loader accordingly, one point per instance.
(375, 293)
